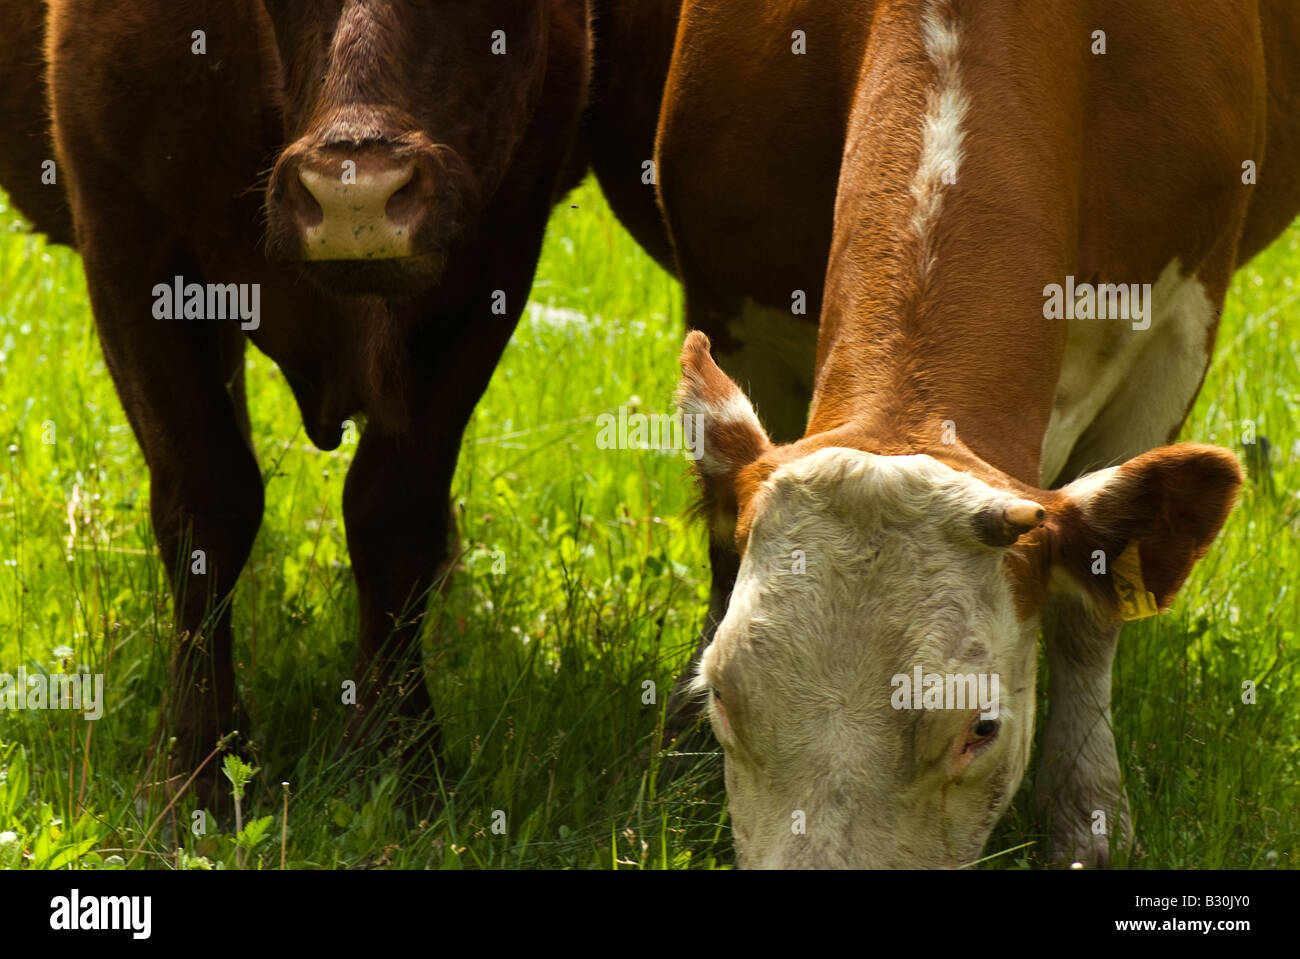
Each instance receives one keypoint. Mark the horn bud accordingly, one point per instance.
(1004, 523)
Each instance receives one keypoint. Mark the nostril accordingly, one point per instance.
(405, 203)
(302, 201)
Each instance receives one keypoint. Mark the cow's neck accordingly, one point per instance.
(933, 329)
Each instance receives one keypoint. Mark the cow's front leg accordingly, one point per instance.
(1078, 793)
(180, 383)
(395, 506)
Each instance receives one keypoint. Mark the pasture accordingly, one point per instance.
(581, 577)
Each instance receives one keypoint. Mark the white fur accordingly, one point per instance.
(696, 399)
(1122, 391)
(943, 134)
(895, 577)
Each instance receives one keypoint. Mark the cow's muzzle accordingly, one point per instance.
(367, 218)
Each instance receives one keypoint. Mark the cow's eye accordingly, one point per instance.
(978, 739)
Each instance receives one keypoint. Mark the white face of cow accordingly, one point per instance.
(872, 682)
(861, 574)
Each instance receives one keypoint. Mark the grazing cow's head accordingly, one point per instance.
(858, 569)
(401, 117)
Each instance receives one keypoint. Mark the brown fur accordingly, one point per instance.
(180, 163)
(897, 341)
(28, 142)
(781, 172)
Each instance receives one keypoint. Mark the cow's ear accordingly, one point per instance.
(1129, 536)
(722, 430)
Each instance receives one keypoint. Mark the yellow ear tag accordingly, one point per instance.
(1134, 600)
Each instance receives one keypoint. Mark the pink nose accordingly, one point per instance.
(355, 208)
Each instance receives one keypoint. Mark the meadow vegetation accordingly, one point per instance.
(581, 578)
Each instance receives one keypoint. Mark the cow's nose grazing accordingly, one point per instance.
(356, 211)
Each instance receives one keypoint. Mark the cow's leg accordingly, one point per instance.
(1079, 775)
(1078, 795)
(180, 383)
(27, 139)
(396, 508)
(394, 504)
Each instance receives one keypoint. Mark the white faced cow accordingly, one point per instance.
(983, 455)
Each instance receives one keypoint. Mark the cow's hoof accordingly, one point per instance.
(1082, 851)
(422, 769)
(412, 744)
(185, 769)
(167, 784)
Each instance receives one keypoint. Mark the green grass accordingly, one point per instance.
(582, 580)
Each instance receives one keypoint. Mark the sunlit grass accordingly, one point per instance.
(580, 581)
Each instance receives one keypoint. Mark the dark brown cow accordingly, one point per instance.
(28, 145)
(946, 170)
(414, 152)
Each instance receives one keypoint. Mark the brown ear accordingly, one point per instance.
(723, 430)
(1151, 519)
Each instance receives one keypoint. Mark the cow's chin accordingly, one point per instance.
(397, 278)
